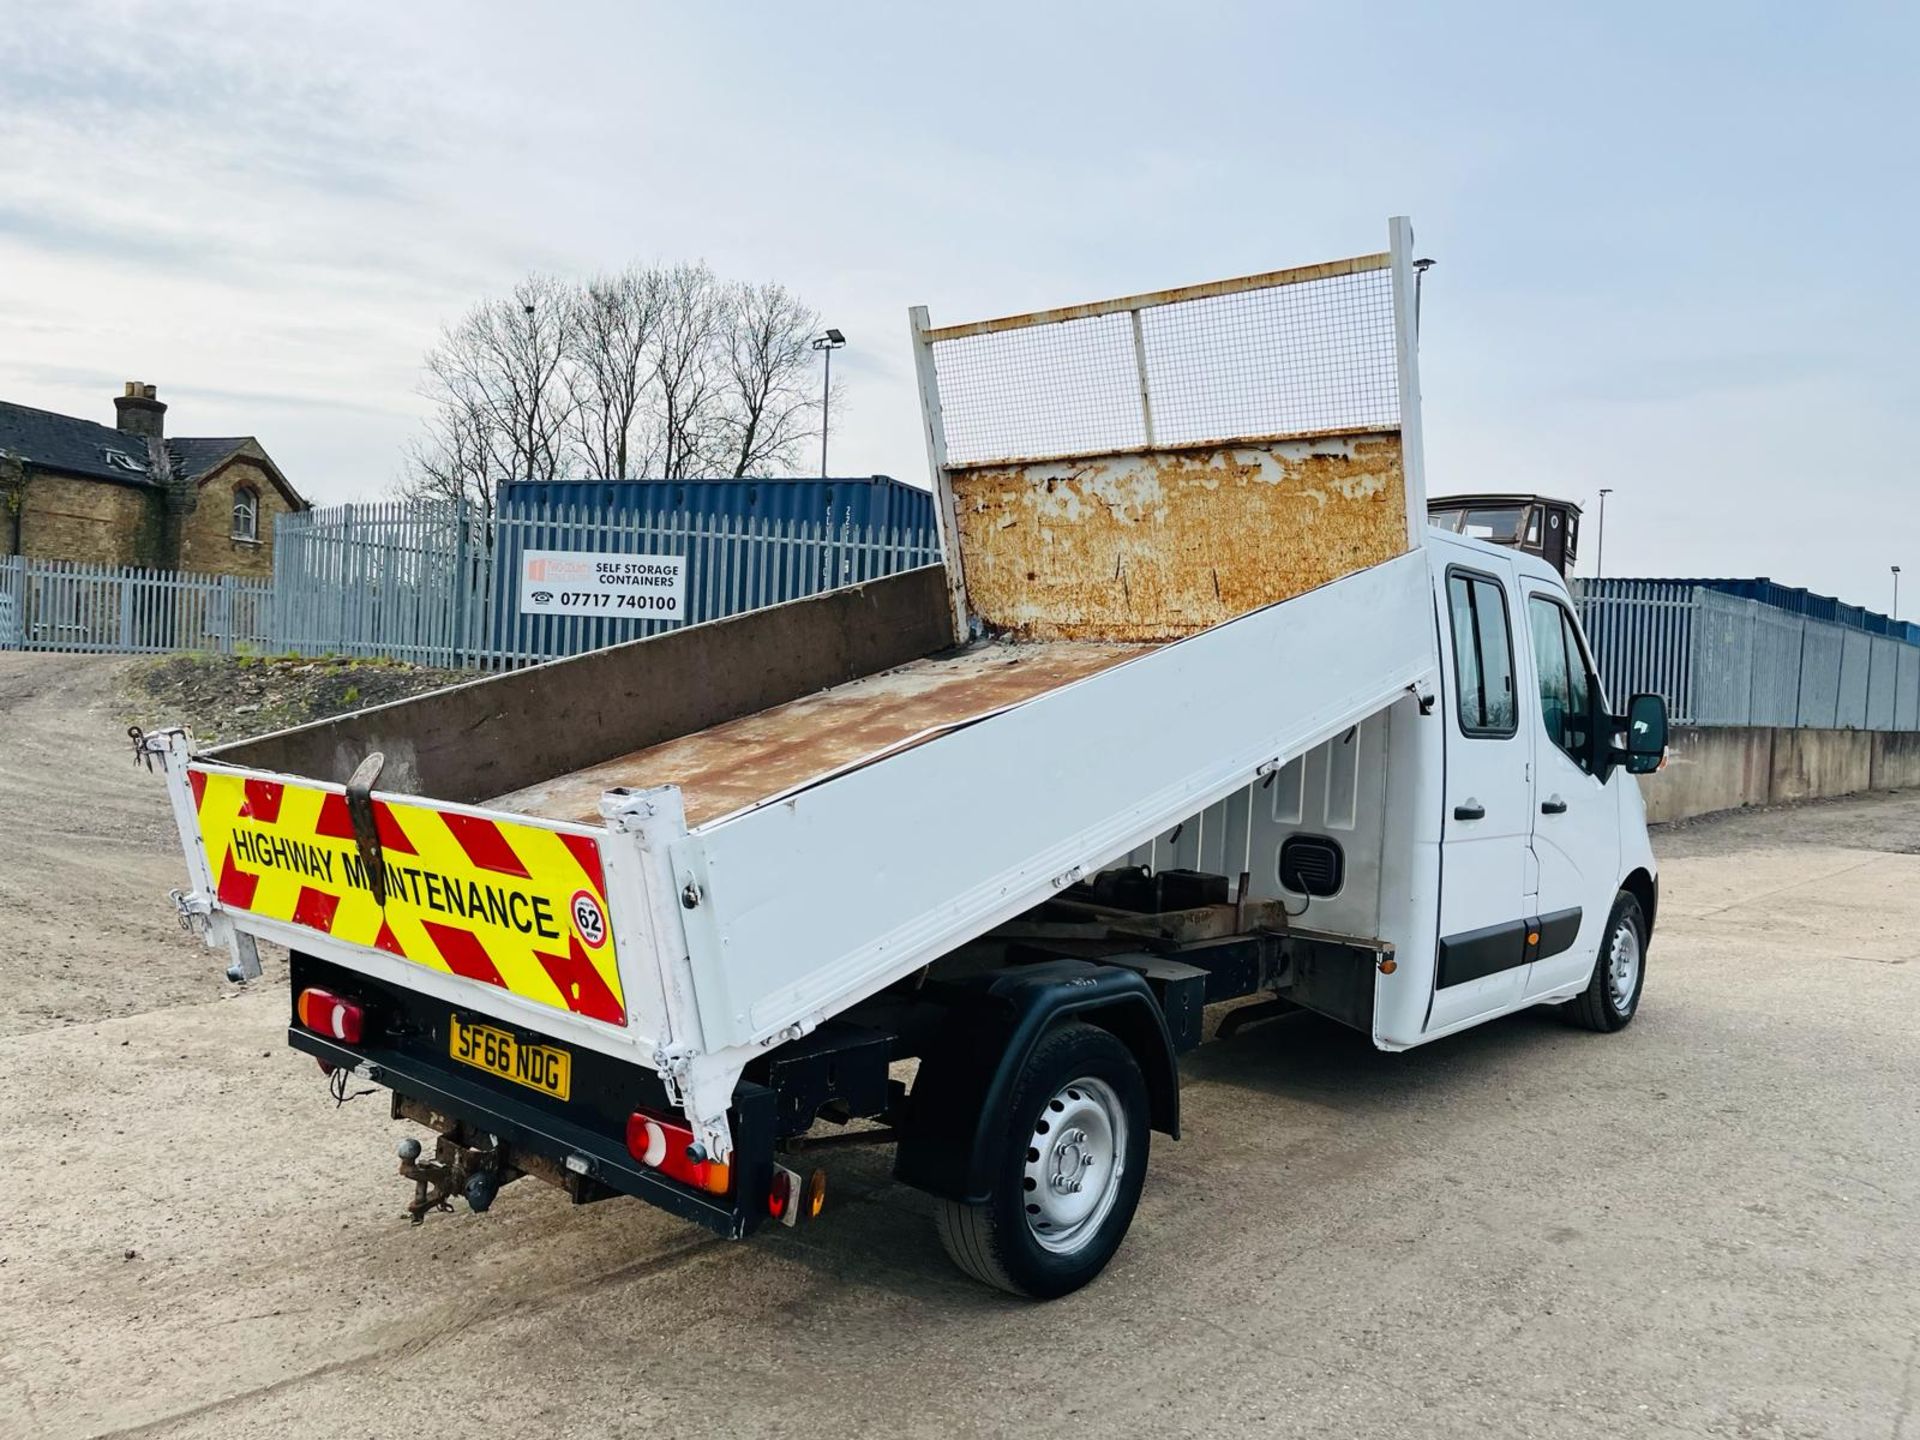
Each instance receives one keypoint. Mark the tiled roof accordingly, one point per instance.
(195, 456)
(79, 447)
(82, 447)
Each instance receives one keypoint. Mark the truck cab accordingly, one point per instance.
(1540, 824)
(1534, 524)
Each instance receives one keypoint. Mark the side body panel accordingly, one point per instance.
(1336, 790)
(832, 892)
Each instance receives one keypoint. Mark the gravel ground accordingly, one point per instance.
(90, 853)
(1699, 1227)
(223, 697)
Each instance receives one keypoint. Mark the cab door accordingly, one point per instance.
(1576, 811)
(1487, 822)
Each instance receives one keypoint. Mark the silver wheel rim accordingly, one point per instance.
(1623, 967)
(1074, 1160)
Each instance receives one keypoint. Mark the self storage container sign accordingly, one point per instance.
(506, 904)
(580, 582)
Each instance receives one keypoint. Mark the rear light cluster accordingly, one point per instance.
(662, 1144)
(326, 1013)
(792, 1199)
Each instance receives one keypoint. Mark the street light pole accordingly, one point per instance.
(1600, 546)
(532, 350)
(1896, 593)
(829, 342)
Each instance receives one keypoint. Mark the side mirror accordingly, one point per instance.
(1646, 734)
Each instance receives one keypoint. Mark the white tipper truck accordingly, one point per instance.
(1197, 711)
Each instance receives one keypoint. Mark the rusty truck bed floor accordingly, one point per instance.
(731, 766)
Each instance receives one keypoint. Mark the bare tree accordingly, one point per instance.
(763, 344)
(610, 370)
(656, 370)
(686, 377)
(455, 459)
(501, 404)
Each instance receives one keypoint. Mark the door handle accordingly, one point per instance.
(1555, 806)
(1472, 810)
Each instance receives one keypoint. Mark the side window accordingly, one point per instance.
(1482, 654)
(1581, 719)
(1566, 686)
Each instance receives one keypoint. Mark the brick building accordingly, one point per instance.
(125, 494)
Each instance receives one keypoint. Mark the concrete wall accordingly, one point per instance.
(1809, 764)
(1896, 761)
(1719, 767)
(1712, 768)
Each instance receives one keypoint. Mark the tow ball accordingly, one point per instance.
(455, 1169)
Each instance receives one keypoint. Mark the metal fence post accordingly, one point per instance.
(462, 582)
(13, 602)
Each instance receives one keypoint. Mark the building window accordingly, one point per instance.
(246, 513)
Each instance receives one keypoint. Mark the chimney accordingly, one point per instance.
(139, 413)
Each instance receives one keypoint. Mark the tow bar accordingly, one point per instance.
(455, 1169)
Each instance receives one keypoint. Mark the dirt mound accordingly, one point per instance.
(227, 697)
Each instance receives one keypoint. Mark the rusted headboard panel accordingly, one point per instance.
(1153, 547)
(1143, 468)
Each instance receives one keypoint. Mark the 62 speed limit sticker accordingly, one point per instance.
(585, 582)
(588, 918)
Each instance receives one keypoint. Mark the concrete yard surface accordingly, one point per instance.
(1702, 1226)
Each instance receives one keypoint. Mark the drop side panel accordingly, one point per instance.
(833, 892)
(489, 737)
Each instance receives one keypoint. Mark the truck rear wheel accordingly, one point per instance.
(1069, 1178)
(1612, 996)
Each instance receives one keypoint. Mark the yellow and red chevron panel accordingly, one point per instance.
(518, 906)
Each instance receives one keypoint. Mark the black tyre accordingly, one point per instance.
(1068, 1180)
(1612, 996)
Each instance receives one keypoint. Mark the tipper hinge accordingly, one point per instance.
(194, 909)
(672, 1065)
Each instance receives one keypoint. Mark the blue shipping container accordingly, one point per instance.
(877, 501)
(1793, 599)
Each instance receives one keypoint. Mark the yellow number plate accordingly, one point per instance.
(545, 1068)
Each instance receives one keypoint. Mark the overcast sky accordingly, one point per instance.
(1673, 240)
